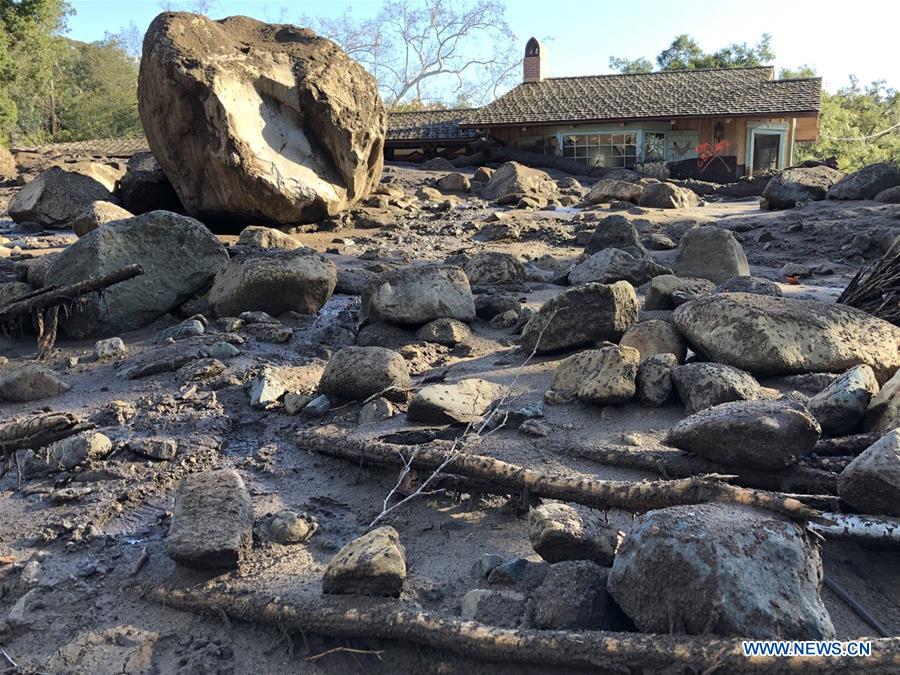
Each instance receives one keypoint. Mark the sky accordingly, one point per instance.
(839, 39)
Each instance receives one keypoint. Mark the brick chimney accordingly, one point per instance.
(532, 65)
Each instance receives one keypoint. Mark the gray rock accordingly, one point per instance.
(380, 334)
(712, 253)
(654, 380)
(794, 186)
(513, 181)
(454, 182)
(448, 332)
(154, 448)
(605, 191)
(356, 373)
(842, 404)
(482, 567)
(573, 596)
(222, 351)
(503, 608)
(111, 348)
(667, 196)
(611, 265)
(490, 305)
(285, 527)
(703, 385)
(883, 413)
(200, 370)
(417, 295)
(867, 182)
(57, 196)
(559, 532)
(615, 231)
(295, 403)
(267, 389)
(269, 332)
(655, 337)
(519, 572)
(68, 453)
(609, 378)
(31, 382)
(375, 411)
(668, 291)
(506, 320)
(96, 214)
(871, 482)
(889, 196)
(317, 407)
(749, 285)
(728, 570)
(463, 402)
(373, 564)
(259, 236)
(144, 187)
(492, 268)
(182, 331)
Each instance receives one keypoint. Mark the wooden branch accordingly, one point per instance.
(601, 651)
(578, 488)
(38, 431)
(846, 445)
(882, 532)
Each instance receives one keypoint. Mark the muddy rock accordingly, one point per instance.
(259, 236)
(285, 527)
(749, 285)
(356, 373)
(667, 196)
(379, 334)
(267, 389)
(375, 411)
(97, 214)
(883, 413)
(293, 129)
(68, 453)
(162, 449)
(274, 282)
(8, 169)
(615, 231)
(212, 524)
(721, 569)
(464, 402)
(111, 348)
(503, 608)
(655, 337)
(559, 532)
(58, 195)
(490, 305)
(843, 403)
(145, 188)
(712, 253)
(573, 596)
(417, 295)
(654, 380)
(605, 191)
(611, 265)
(668, 291)
(482, 174)
(871, 482)
(789, 187)
(490, 268)
(373, 564)
(31, 382)
(611, 379)
(13, 290)
(513, 181)
(448, 332)
(572, 369)
(454, 182)
(889, 196)
(751, 434)
(703, 385)
(866, 183)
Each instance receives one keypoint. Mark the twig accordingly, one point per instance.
(853, 604)
(349, 650)
(8, 658)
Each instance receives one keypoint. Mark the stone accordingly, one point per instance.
(379, 334)
(96, 214)
(795, 270)
(615, 231)
(317, 407)
(373, 564)
(841, 406)
(871, 482)
(31, 382)
(582, 316)
(655, 337)
(8, 169)
(611, 379)
(154, 448)
(866, 183)
(68, 453)
(728, 570)
(668, 291)
(749, 285)
(499, 608)
(267, 389)
(464, 402)
(375, 411)
(791, 186)
(781, 336)
(269, 332)
(438, 164)
(710, 252)
(259, 236)
(222, 351)
(508, 319)
(111, 348)
(703, 385)
(293, 128)
(611, 265)
(667, 196)
(13, 290)
(491, 268)
(573, 596)
(454, 182)
(285, 527)
(294, 403)
(766, 435)
(657, 241)
(182, 331)
(654, 380)
(883, 413)
(572, 370)
(448, 332)
(144, 187)
(417, 295)
(179, 256)
(482, 568)
(482, 174)
(559, 532)
(889, 196)
(57, 196)
(536, 428)
(513, 181)
(356, 373)
(605, 191)
(212, 524)
(429, 194)
(274, 282)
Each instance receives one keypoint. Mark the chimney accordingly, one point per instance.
(533, 67)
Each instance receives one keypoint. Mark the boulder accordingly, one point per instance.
(373, 564)
(780, 336)
(842, 404)
(654, 380)
(13, 290)
(558, 531)
(605, 191)
(710, 252)
(766, 435)
(417, 295)
(800, 185)
(749, 285)
(8, 169)
(722, 569)
(582, 316)
(58, 195)
(179, 257)
(867, 182)
(615, 231)
(464, 402)
(31, 382)
(611, 265)
(274, 282)
(449, 332)
(259, 236)
(667, 196)
(482, 174)
(258, 122)
(97, 214)
(67, 454)
(573, 596)
(655, 337)
(513, 181)
(502, 609)
(871, 482)
(356, 373)
(454, 182)
(883, 413)
(144, 187)
(491, 268)
(668, 291)
(889, 196)
(611, 378)
(703, 385)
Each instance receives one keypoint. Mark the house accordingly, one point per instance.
(418, 135)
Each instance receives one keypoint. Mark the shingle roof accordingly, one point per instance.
(429, 125)
(681, 93)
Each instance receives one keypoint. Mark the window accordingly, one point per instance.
(610, 150)
(654, 147)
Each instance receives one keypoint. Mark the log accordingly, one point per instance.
(880, 532)
(600, 651)
(846, 445)
(578, 488)
(36, 432)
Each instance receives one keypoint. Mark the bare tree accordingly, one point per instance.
(424, 51)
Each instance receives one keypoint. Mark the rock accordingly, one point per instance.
(454, 182)
(573, 596)
(145, 188)
(317, 407)
(464, 402)
(200, 370)
(605, 191)
(486, 564)
(274, 282)
(373, 564)
(489, 306)
(482, 174)
(611, 378)
(417, 295)
(513, 181)
(506, 320)
(781, 336)
(438, 164)
(503, 609)
(840, 407)
(795, 270)
(519, 572)
(749, 285)
(295, 403)
(269, 332)
(13, 290)
(285, 527)
(654, 380)
(728, 570)
(703, 385)
(871, 482)
(791, 186)
(222, 351)
(179, 256)
(711, 253)
(68, 453)
(668, 291)
(111, 348)
(267, 389)
(58, 195)
(258, 236)
(654, 337)
(889, 196)
(536, 428)
(378, 334)
(615, 231)
(293, 128)
(560, 532)
(96, 214)
(182, 331)
(657, 241)
(154, 448)
(8, 169)
(356, 373)
(883, 413)
(31, 382)
(581, 316)
(867, 182)
(490, 268)
(212, 524)
(766, 435)
(375, 411)
(611, 265)
(667, 196)
(429, 194)
(448, 332)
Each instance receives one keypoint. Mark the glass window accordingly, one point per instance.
(611, 150)
(654, 146)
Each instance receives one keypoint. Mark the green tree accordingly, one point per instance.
(629, 66)
(685, 53)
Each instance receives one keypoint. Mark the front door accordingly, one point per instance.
(765, 152)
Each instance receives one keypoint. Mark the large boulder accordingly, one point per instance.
(513, 181)
(611, 265)
(582, 316)
(417, 295)
(711, 253)
(615, 231)
(655, 337)
(800, 185)
(179, 257)
(780, 336)
(144, 187)
(373, 564)
(668, 291)
(97, 214)
(58, 195)
(871, 482)
(867, 182)
(258, 122)
(605, 191)
(722, 569)
(357, 373)
(883, 412)
(610, 376)
(889, 196)
(703, 385)
(31, 382)
(493, 268)
(464, 402)
(560, 532)
(667, 196)
(274, 282)
(841, 405)
(8, 169)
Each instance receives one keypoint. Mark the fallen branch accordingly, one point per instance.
(860, 529)
(846, 445)
(38, 431)
(604, 651)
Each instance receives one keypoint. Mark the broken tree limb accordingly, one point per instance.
(600, 651)
(846, 445)
(38, 431)
(883, 532)
(635, 496)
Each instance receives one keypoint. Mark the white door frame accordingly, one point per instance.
(766, 128)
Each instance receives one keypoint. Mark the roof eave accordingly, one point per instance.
(607, 120)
